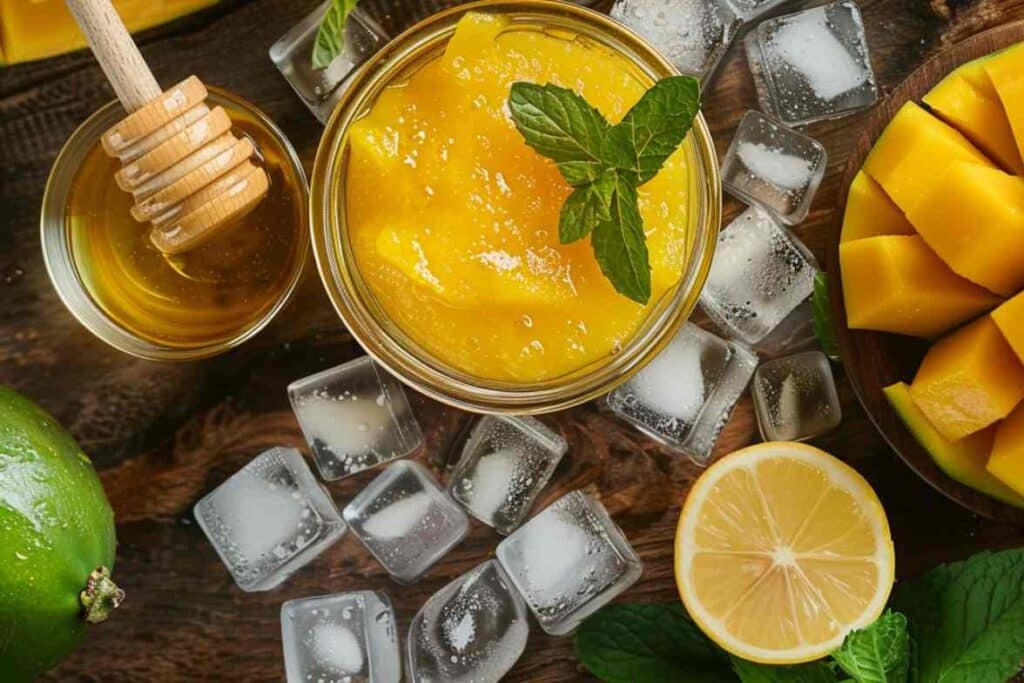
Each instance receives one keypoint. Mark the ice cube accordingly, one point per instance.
(340, 638)
(684, 397)
(504, 464)
(406, 520)
(569, 561)
(269, 519)
(748, 10)
(795, 397)
(321, 89)
(692, 34)
(473, 630)
(774, 167)
(795, 333)
(812, 65)
(355, 416)
(761, 272)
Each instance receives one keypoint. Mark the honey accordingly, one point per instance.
(209, 295)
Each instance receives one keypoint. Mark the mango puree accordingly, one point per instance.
(454, 220)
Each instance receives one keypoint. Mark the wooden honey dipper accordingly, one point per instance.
(189, 175)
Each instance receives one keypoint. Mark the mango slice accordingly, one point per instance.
(895, 283)
(1009, 318)
(1006, 463)
(1006, 70)
(911, 152)
(969, 380)
(962, 460)
(967, 100)
(870, 212)
(973, 217)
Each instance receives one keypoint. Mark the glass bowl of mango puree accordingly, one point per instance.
(435, 227)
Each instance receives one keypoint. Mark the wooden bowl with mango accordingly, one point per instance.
(927, 271)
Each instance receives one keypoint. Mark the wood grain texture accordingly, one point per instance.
(164, 435)
(875, 360)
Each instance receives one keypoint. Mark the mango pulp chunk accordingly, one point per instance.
(968, 380)
(964, 460)
(1010, 319)
(973, 217)
(453, 219)
(895, 283)
(1006, 70)
(1006, 463)
(870, 212)
(967, 100)
(33, 29)
(912, 150)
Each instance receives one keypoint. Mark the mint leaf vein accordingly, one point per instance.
(330, 37)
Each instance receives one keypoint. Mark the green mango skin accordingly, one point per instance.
(56, 526)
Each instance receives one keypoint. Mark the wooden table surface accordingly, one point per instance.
(163, 435)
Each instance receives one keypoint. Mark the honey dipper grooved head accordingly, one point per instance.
(188, 173)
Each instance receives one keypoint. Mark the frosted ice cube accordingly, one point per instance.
(760, 273)
(795, 397)
(692, 34)
(774, 167)
(341, 638)
(569, 561)
(321, 89)
(473, 630)
(355, 416)
(684, 396)
(795, 333)
(812, 65)
(505, 463)
(269, 519)
(406, 520)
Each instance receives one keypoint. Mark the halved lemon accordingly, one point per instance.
(781, 551)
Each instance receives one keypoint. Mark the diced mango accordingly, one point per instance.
(1006, 70)
(963, 460)
(969, 380)
(1006, 463)
(1010, 319)
(32, 29)
(973, 218)
(895, 283)
(912, 150)
(870, 212)
(967, 100)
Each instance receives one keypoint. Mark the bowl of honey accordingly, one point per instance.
(172, 306)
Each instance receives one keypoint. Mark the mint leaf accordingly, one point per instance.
(562, 126)
(649, 644)
(822, 312)
(330, 37)
(585, 208)
(879, 653)
(750, 672)
(620, 245)
(966, 619)
(654, 128)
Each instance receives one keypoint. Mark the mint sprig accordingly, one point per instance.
(606, 164)
(330, 37)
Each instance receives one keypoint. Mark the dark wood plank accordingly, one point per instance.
(163, 435)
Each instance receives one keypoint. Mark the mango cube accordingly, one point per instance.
(973, 218)
(895, 283)
(911, 152)
(870, 212)
(968, 380)
(1010, 319)
(1006, 463)
(967, 100)
(1006, 70)
(963, 460)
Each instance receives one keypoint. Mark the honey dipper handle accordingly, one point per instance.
(116, 52)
